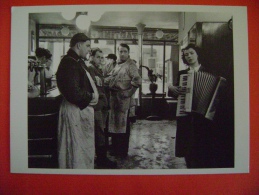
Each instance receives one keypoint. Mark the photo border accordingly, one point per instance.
(18, 95)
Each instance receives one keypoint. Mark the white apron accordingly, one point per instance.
(76, 147)
(76, 137)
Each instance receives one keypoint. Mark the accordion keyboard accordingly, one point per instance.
(180, 110)
(202, 94)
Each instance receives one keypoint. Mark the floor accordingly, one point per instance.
(151, 146)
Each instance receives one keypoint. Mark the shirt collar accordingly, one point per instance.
(73, 54)
(195, 69)
(121, 62)
(93, 64)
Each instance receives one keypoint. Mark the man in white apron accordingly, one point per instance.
(76, 148)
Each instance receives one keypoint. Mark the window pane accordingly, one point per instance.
(153, 60)
(67, 43)
(168, 67)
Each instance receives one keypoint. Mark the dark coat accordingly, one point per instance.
(72, 80)
(102, 102)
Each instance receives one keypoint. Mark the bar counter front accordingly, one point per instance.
(43, 113)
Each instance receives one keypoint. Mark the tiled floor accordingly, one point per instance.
(151, 147)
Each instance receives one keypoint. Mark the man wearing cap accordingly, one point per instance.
(76, 149)
(100, 111)
(111, 64)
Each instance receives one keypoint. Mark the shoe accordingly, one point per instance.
(113, 153)
(123, 155)
(119, 155)
(105, 163)
(133, 119)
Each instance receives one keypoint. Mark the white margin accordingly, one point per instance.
(18, 93)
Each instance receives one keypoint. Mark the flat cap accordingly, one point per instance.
(112, 56)
(79, 37)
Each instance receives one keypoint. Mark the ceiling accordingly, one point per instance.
(163, 20)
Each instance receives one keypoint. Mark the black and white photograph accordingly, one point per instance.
(129, 89)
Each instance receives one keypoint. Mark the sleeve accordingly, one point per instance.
(178, 79)
(68, 81)
(31, 76)
(48, 73)
(178, 76)
(134, 74)
(92, 73)
(105, 72)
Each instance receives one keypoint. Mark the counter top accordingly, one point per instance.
(51, 93)
(44, 104)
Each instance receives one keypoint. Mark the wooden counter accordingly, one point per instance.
(42, 129)
(164, 107)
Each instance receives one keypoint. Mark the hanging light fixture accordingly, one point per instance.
(68, 15)
(65, 31)
(159, 34)
(83, 21)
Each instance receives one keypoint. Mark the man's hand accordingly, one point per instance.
(127, 93)
(98, 81)
(95, 98)
(123, 94)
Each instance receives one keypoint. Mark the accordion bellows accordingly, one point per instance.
(203, 93)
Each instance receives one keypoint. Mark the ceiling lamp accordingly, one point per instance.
(65, 31)
(68, 15)
(83, 22)
(95, 16)
(159, 34)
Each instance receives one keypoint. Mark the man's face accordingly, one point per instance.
(110, 60)
(98, 58)
(85, 48)
(41, 60)
(48, 63)
(124, 53)
(103, 61)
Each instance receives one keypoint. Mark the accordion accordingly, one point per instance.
(203, 93)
